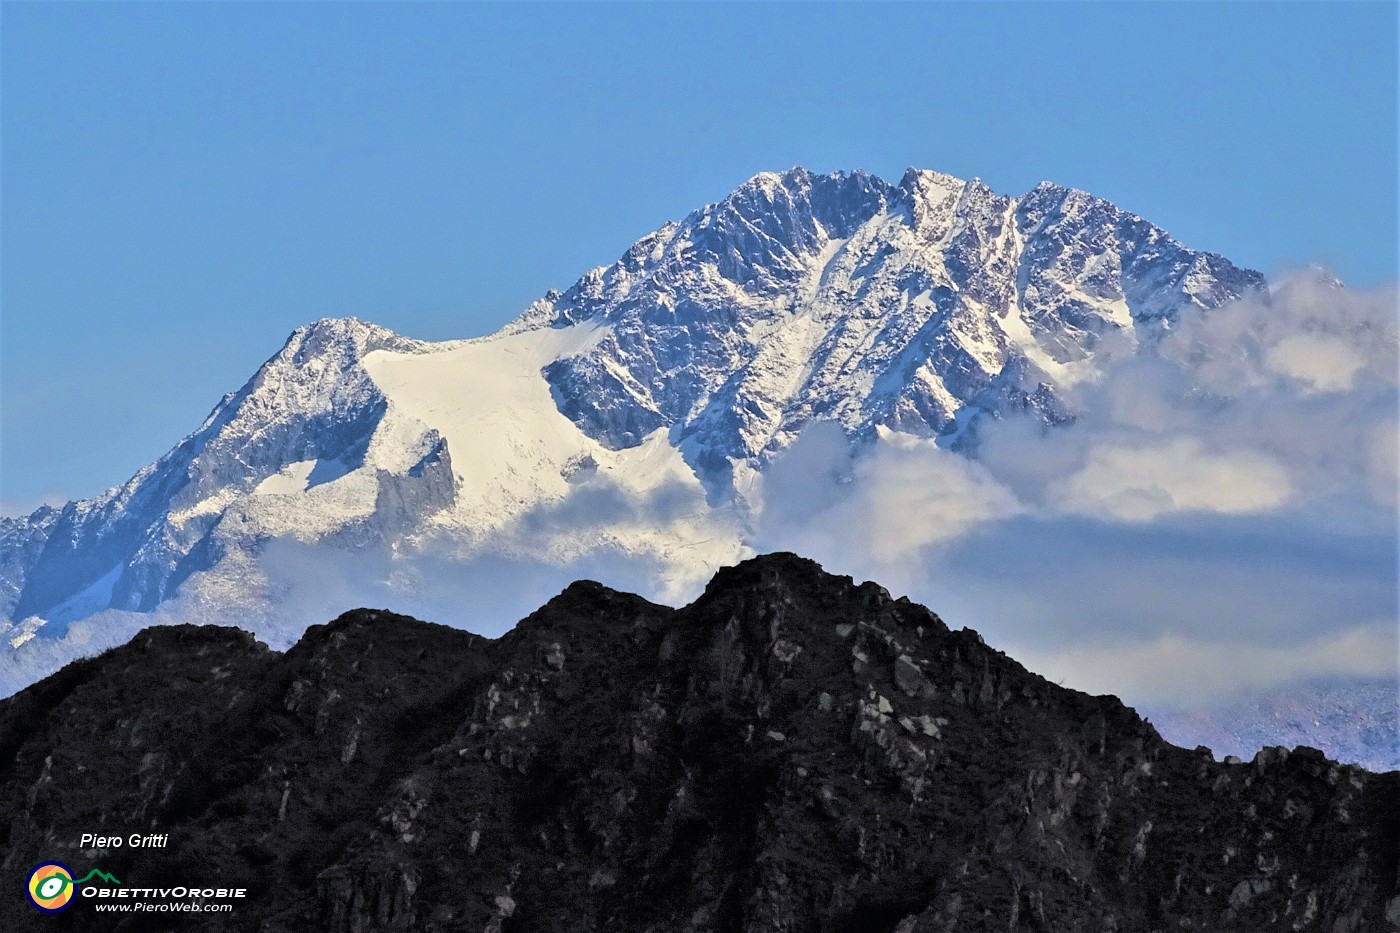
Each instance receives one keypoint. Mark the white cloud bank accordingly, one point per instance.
(1184, 670)
(892, 503)
(1146, 481)
(1220, 518)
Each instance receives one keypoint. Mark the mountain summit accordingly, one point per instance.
(671, 377)
(913, 307)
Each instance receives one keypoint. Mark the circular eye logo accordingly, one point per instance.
(51, 887)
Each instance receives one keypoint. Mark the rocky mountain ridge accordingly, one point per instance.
(792, 751)
(842, 296)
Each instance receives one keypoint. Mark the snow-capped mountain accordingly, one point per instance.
(844, 297)
(671, 378)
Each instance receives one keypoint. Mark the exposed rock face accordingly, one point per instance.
(913, 306)
(791, 752)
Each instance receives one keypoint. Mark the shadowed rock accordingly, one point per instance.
(793, 752)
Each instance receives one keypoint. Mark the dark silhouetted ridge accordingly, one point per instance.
(792, 752)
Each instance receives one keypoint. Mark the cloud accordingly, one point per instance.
(1176, 670)
(1220, 517)
(1043, 581)
(1143, 482)
(1250, 407)
(1261, 342)
(1382, 469)
(486, 593)
(599, 501)
(882, 509)
(1324, 363)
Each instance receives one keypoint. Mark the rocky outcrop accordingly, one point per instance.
(791, 752)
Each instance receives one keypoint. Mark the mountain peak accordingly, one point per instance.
(768, 182)
(916, 288)
(798, 184)
(918, 179)
(340, 325)
(345, 336)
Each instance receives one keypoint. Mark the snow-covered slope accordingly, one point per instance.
(913, 306)
(668, 379)
(350, 437)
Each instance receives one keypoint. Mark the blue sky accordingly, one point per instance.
(183, 184)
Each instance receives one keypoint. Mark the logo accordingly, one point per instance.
(51, 885)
